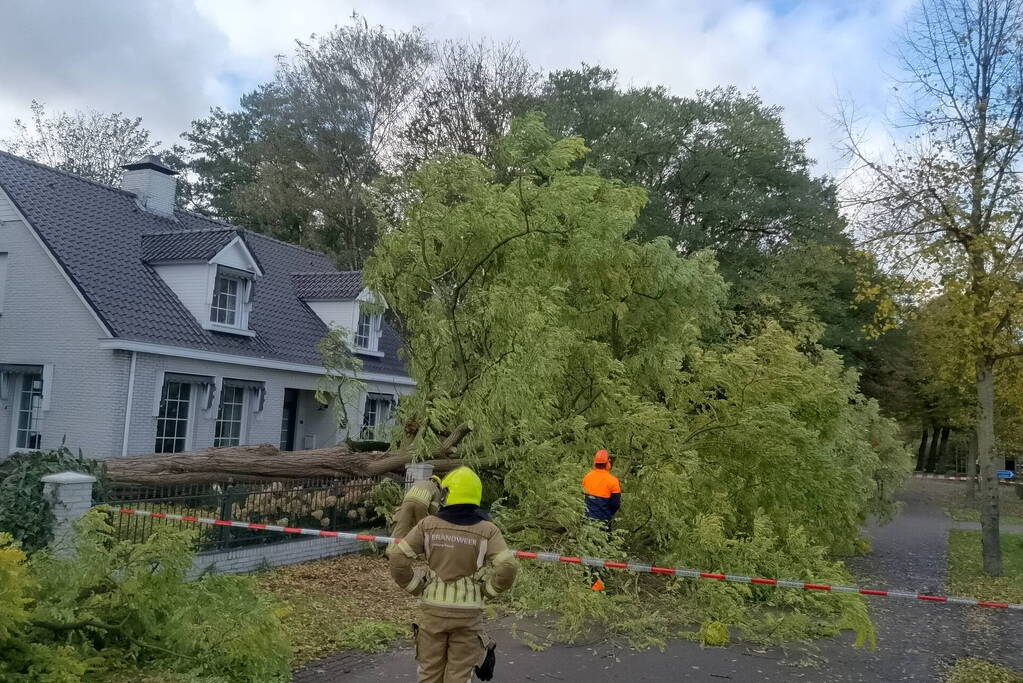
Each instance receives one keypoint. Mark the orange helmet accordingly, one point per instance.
(601, 458)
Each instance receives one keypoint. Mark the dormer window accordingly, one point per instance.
(366, 336)
(226, 299)
(213, 273)
(230, 300)
(364, 330)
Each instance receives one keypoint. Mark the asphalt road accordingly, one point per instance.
(916, 641)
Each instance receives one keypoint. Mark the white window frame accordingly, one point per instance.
(193, 399)
(372, 345)
(243, 300)
(3, 278)
(38, 410)
(233, 307)
(242, 416)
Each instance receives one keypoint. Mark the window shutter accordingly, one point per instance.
(44, 403)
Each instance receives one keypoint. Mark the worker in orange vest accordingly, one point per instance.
(602, 491)
(603, 496)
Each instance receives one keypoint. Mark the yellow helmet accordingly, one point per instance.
(461, 486)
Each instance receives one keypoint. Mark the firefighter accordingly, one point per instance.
(421, 500)
(467, 561)
(601, 490)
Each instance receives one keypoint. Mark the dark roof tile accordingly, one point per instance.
(330, 286)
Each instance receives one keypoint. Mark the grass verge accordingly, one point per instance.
(965, 573)
(343, 603)
(978, 671)
(961, 509)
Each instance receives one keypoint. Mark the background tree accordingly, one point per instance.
(721, 173)
(298, 159)
(470, 95)
(90, 144)
(947, 200)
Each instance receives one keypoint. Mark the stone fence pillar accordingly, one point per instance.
(70, 497)
(417, 471)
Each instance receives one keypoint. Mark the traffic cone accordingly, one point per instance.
(598, 585)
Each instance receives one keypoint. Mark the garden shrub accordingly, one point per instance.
(24, 513)
(121, 604)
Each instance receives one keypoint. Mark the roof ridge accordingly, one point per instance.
(327, 272)
(62, 172)
(187, 231)
(250, 231)
(283, 243)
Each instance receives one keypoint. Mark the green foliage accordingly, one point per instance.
(24, 513)
(371, 635)
(535, 318)
(338, 387)
(971, 670)
(120, 604)
(384, 499)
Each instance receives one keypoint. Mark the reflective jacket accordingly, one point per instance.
(421, 500)
(467, 557)
(603, 494)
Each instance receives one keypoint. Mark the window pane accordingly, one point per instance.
(363, 330)
(28, 406)
(228, 430)
(172, 422)
(225, 301)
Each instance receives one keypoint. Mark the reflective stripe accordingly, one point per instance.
(419, 493)
(464, 593)
(482, 555)
(407, 550)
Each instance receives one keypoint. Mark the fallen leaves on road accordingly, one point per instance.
(328, 600)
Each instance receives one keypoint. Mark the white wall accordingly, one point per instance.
(7, 212)
(191, 283)
(342, 314)
(44, 322)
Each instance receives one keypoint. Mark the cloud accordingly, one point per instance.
(148, 58)
(169, 62)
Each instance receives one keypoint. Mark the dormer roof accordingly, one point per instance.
(342, 285)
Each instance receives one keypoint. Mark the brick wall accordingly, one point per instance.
(275, 555)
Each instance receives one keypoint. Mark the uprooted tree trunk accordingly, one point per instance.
(265, 462)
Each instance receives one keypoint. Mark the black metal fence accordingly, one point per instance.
(330, 504)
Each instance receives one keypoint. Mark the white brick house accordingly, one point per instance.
(128, 327)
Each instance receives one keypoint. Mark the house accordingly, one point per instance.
(128, 326)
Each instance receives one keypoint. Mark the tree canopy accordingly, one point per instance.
(539, 328)
(945, 207)
(90, 144)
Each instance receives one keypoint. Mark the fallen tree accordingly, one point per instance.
(265, 462)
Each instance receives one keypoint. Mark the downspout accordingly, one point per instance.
(127, 405)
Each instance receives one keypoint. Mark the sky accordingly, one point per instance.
(169, 61)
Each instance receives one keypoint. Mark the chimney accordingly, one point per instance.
(153, 183)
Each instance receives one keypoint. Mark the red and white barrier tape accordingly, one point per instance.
(592, 562)
(918, 475)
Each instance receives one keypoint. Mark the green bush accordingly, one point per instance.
(119, 604)
(24, 513)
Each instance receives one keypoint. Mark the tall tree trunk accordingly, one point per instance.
(921, 453)
(943, 447)
(971, 467)
(991, 548)
(932, 452)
